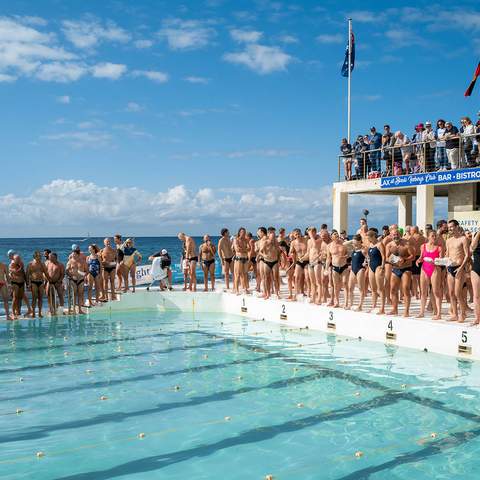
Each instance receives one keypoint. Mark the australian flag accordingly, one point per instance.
(352, 60)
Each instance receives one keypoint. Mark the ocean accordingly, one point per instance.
(63, 246)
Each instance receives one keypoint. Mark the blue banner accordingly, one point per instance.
(431, 178)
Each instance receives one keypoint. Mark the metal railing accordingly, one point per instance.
(412, 157)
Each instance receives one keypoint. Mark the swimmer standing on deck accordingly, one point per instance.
(207, 252)
(192, 259)
(225, 252)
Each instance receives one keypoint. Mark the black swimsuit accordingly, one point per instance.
(270, 264)
(228, 260)
(358, 259)
(302, 264)
(207, 263)
(476, 260)
(375, 258)
(241, 259)
(38, 283)
(339, 270)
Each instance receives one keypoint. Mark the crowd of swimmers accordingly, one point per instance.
(103, 272)
(439, 267)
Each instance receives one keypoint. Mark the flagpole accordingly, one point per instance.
(349, 107)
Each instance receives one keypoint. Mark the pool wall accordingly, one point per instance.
(454, 339)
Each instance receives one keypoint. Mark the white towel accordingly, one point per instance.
(157, 272)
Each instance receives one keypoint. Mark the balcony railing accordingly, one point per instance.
(413, 157)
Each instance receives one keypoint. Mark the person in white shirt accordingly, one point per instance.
(441, 159)
(467, 130)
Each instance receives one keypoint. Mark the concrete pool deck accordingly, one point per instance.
(439, 336)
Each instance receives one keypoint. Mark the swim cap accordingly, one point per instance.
(10, 253)
(75, 247)
(164, 252)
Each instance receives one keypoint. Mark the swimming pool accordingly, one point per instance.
(210, 396)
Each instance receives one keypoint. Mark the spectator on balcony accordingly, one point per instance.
(361, 157)
(347, 154)
(387, 142)
(440, 152)
(467, 130)
(375, 141)
(476, 141)
(402, 153)
(452, 145)
(417, 154)
(428, 138)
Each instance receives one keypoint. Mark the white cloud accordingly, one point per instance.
(288, 39)
(81, 139)
(60, 72)
(143, 43)
(109, 70)
(134, 107)
(193, 79)
(89, 33)
(260, 58)
(246, 36)
(330, 38)
(186, 34)
(31, 20)
(363, 16)
(65, 99)
(28, 51)
(132, 130)
(4, 77)
(81, 205)
(155, 76)
(401, 37)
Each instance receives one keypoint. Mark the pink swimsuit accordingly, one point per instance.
(429, 267)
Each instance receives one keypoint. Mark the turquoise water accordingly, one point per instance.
(252, 399)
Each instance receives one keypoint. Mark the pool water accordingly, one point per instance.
(212, 396)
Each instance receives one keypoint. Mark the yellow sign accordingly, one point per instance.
(467, 220)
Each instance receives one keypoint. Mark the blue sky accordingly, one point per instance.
(148, 116)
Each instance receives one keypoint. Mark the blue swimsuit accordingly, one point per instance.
(93, 266)
(358, 258)
(375, 258)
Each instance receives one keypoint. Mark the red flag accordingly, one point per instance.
(469, 90)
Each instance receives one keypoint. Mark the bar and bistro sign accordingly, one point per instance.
(431, 178)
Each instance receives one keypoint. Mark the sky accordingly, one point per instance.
(152, 117)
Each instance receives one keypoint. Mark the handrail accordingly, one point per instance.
(411, 157)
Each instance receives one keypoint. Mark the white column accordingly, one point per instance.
(425, 204)
(340, 210)
(404, 210)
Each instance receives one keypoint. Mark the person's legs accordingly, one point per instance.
(205, 277)
(34, 291)
(90, 290)
(360, 278)
(226, 272)
(212, 275)
(337, 285)
(298, 280)
(406, 281)
(476, 296)
(111, 279)
(313, 283)
(460, 294)
(318, 283)
(133, 276)
(40, 292)
(424, 289)
(351, 291)
(4, 295)
(394, 287)
(453, 298)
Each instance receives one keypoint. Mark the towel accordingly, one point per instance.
(157, 272)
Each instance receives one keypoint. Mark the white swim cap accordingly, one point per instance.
(164, 252)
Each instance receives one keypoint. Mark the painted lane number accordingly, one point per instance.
(331, 324)
(243, 308)
(283, 314)
(390, 335)
(464, 336)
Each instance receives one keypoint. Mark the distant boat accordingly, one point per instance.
(82, 240)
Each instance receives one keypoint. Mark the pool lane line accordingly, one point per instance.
(116, 417)
(252, 436)
(275, 385)
(435, 404)
(111, 357)
(151, 376)
(88, 343)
